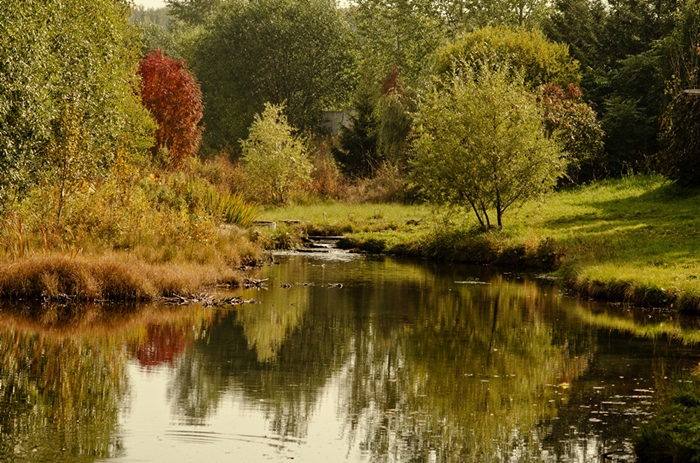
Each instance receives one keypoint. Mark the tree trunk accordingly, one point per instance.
(478, 216)
(499, 210)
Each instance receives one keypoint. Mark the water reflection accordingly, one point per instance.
(408, 361)
(63, 379)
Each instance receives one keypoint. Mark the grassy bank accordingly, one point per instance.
(139, 274)
(633, 239)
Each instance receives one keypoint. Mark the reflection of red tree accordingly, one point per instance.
(164, 343)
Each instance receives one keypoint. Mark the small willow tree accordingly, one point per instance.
(275, 159)
(480, 143)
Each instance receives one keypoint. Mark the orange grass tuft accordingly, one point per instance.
(107, 277)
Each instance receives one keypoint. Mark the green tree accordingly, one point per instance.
(680, 158)
(67, 99)
(473, 14)
(684, 48)
(631, 100)
(574, 123)
(405, 33)
(193, 12)
(379, 127)
(397, 34)
(622, 46)
(579, 24)
(275, 159)
(527, 52)
(632, 27)
(295, 52)
(680, 129)
(158, 16)
(480, 143)
(394, 120)
(162, 30)
(357, 150)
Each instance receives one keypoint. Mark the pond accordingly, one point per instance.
(341, 358)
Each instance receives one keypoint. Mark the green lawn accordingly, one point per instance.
(637, 228)
(634, 238)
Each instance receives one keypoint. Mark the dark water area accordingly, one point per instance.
(342, 359)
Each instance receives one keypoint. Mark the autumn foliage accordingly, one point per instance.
(174, 98)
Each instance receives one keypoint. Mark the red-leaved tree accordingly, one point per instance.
(173, 96)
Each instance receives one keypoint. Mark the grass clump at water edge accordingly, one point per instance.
(108, 277)
(137, 235)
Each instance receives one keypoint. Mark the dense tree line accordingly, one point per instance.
(291, 52)
(67, 100)
(70, 104)
(632, 58)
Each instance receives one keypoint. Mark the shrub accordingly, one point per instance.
(528, 52)
(574, 123)
(480, 143)
(327, 181)
(680, 160)
(274, 158)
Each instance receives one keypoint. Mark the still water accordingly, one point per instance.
(407, 361)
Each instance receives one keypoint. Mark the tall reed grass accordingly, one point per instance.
(232, 208)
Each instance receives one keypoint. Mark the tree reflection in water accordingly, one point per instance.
(432, 368)
(467, 373)
(63, 377)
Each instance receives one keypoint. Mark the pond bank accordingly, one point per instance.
(628, 240)
(407, 351)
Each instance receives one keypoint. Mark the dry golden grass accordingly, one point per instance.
(110, 276)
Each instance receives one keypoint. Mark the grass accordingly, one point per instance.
(135, 235)
(672, 435)
(105, 278)
(231, 208)
(330, 218)
(633, 239)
